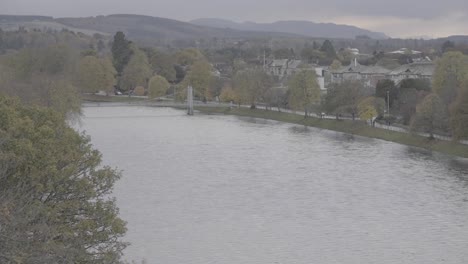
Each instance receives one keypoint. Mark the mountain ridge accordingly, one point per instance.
(301, 27)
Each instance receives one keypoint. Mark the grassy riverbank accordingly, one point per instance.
(110, 99)
(350, 127)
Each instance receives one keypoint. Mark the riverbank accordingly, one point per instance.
(94, 98)
(347, 126)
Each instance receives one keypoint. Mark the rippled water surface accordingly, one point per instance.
(223, 189)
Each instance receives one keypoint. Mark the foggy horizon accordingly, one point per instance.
(398, 18)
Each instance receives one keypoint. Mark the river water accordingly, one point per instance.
(222, 189)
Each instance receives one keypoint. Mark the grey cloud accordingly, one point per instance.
(257, 10)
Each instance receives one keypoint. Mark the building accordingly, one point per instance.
(416, 70)
(371, 75)
(406, 51)
(285, 68)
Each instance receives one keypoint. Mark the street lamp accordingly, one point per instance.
(388, 102)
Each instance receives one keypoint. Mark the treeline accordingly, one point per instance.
(55, 195)
(439, 107)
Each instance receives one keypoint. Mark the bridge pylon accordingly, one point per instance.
(189, 100)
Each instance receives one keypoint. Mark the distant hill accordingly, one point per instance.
(13, 18)
(11, 22)
(305, 28)
(459, 39)
(147, 28)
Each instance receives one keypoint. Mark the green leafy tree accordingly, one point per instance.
(64, 98)
(344, 98)
(276, 97)
(251, 85)
(54, 194)
(450, 74)
(121, 52)
(137, 72)
(447, 46)
(51, 60)
(163, 64)
(459, 115)
(328, 49)
(158, 86)
(431, 115)
(418, 84)
(200, 78)
(189, 56)
(370, 107)
(312, 55)
(96, 74)
(412, 92)
(304, 91)
(345, 56)
(228, 95)
(384, 86)
(284, 53)
(336, 64)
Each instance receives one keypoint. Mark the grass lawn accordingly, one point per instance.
(347, 126)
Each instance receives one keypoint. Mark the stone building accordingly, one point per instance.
(416, 70)
(285, 68)
(371, 75)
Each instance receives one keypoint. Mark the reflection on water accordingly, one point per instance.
(223, 189)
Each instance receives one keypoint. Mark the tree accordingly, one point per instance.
(412, 92)
(163, 65)
(189, 56)
(54, 194)
(304, 91)
(328, 49)
(336, 64)
(284, 53)
(276, 97)
(370, 107)
(157, 86)
(450, 74)
(345, 56)
(51, 60)
(96, 74)
(344, 98)
(121, 52)
(312, 55)
(251, 85)
(64, 98)
(459, 115)
(431, 115)
(41, 77)
(409, 99)
(228, 95)
(384, 86)
(200, 78)
(447, 46)
(418, 84)
(108, 75)
(137, 72)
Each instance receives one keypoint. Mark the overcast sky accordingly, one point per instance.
(397, 18)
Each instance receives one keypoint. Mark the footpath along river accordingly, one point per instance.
(223, 189)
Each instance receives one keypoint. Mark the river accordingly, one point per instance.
(223, 189)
